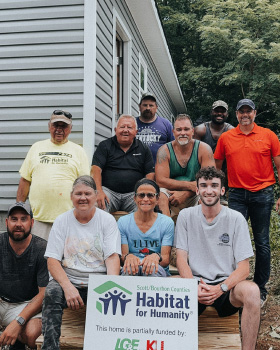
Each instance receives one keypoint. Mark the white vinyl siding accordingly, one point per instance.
(154, 83)
(41, 69)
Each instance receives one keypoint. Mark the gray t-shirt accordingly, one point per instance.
(22, 275)
(83, 248)
(214, 249)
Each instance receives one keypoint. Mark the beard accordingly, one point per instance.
(18, 239)
(183, 143)
(217, 199)
(148, 115)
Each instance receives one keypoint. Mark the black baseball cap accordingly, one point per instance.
(148, 95)
(23, 205)
(245, 102)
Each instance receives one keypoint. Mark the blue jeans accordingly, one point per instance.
(257, 206)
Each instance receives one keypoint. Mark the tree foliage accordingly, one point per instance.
(226, 49)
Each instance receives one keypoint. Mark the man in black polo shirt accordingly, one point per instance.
(117, 164)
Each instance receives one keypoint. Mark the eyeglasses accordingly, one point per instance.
(143, 195)
(61, 112)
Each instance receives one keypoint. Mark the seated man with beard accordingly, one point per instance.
(24, 277)
(177, 164)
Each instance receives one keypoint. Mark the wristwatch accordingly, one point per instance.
(160, 257)
(224, 287)
(20, 320)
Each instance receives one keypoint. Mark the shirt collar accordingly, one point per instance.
(134, 143)
(255, 130)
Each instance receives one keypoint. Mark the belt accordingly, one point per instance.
(6, 299)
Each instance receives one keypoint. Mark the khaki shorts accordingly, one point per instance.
(9, 311)
(190, 202)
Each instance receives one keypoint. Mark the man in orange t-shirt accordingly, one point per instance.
(249, 150)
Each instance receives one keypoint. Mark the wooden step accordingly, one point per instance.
(210, 322)
(218, 341)
(72, 330)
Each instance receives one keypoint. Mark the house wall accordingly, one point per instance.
(43, 66)
(41, 69)
(104, 71)
(154, 83)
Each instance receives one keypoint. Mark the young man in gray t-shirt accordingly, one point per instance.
(213, 245)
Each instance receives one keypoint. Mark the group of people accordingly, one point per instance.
(153, 171)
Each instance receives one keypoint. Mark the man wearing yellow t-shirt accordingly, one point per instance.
(48, 173)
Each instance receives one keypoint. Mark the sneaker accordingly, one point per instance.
(263, 300)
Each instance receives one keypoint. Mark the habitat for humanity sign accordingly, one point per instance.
(141, 313)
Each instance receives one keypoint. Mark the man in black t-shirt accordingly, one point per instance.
(24, 276)
(117, 164)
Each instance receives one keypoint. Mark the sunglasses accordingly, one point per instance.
(60, 112)
(143, 195)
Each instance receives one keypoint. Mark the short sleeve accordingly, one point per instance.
(220, 149)
(100, 155)
(275, 145)
(56, 241)
(26, 168)
(181, 232)
(42, 272)
(122, 228)
(242, 246)
(168, 235)
(111, 237)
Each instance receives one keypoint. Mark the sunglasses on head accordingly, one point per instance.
(143, 195)
(61, 112)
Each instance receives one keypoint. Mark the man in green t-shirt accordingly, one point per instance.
(177, 164)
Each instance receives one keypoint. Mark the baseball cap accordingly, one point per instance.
(220, 103)
(23, 205)
(245, 102)
(59, 115)
(148, 95)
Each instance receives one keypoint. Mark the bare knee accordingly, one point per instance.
(246, 294)
(252, 295)
(164, 204)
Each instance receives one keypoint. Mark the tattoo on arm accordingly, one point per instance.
(210, 155)
(161, 155)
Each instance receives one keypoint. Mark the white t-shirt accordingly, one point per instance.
(83, 248)
(52, 169)
(214, 249)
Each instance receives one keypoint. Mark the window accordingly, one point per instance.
(142, 76)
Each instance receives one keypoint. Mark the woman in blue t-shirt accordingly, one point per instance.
(146, 235)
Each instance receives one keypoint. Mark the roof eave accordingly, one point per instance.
(146, 17)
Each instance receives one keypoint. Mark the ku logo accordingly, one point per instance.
(153, 345)
(112, 297)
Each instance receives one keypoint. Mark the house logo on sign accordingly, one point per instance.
(113, 297)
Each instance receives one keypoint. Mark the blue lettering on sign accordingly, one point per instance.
(168, 301)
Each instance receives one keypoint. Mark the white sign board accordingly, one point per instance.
(141, 313)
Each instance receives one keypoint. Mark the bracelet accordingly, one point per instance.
(125, 256)
(160, 257)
